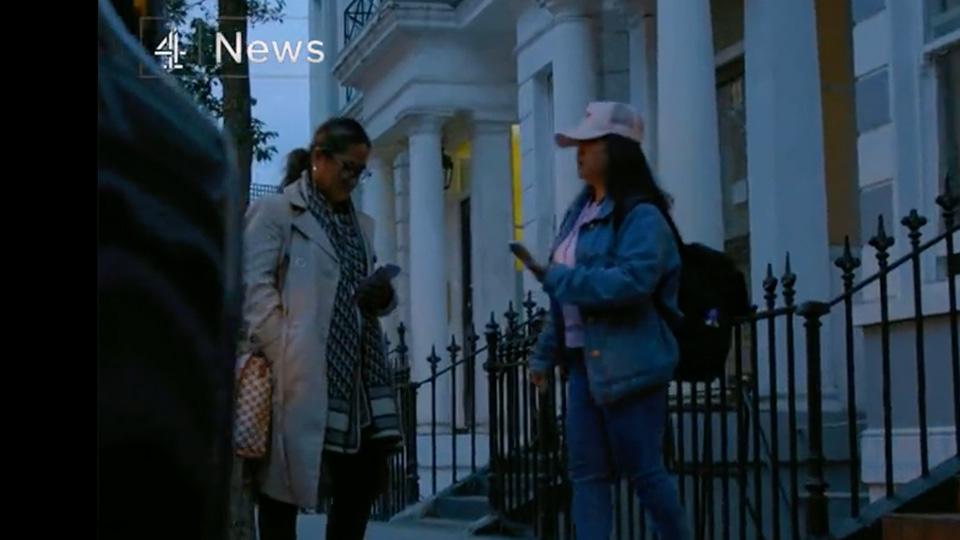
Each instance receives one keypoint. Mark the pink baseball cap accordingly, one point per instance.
(604, 118)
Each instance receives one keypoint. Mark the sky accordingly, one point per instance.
(282, 91)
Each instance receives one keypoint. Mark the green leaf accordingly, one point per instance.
(200, 76)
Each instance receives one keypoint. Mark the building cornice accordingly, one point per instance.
(390, 22)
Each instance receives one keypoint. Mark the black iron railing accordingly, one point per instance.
(355, 17)
(749, 465)
(259, 190)
(405, 482)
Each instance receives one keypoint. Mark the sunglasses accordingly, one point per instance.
(350, 170)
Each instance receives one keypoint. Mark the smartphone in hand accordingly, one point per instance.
(521, 252)
(389, 271)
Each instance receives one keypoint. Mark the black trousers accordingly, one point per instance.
(355, 481)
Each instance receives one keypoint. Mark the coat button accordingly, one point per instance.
(299, 262)
(595, 353)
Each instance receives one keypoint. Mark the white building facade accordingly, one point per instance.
(777, 126)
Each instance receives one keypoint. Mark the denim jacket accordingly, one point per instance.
(628, 345)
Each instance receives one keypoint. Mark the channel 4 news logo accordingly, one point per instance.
(166, 44)
(168, 50)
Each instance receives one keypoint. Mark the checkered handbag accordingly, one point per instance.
(254, 385)
(251, 427)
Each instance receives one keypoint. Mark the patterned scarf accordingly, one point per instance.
(361, 394)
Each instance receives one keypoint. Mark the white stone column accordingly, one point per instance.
(368, 192)
(787, 193)
(401, 186)
(379, 203)
(576, 56)
(642, 25)
(491, 208)
(324, 89)
(428, 277)
(381, 193)
(688, 148)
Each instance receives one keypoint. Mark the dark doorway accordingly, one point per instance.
(469, 375)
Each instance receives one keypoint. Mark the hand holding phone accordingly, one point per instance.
(375, 292)
(521, 252)
(389, 271)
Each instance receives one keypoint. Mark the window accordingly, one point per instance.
(731, 116)
(948, 115)
(727, 18)
(948, 120)
(943, 17)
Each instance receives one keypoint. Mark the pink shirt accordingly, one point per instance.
(566, 254)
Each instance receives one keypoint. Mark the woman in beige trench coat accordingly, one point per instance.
(312, 305)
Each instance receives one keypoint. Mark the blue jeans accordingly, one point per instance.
(621, 440)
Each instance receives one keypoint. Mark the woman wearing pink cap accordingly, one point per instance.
(613, 279)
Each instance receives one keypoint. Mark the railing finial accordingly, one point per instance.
(472, 337)
(882, 242)
(453, 348)
(914, 222)
(948, 201)
(770, 287)
(847, 263)
(529, 305)
(511, 315)
(789, 282)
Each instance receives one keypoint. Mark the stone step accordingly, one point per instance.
(444, 479)
(463, 508)
(454, 528)
(921, 527)
(481, 448)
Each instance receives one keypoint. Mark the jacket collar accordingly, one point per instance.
(296, 194)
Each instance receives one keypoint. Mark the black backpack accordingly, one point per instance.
(713, 292)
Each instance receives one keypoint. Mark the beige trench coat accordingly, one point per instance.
(287, 316)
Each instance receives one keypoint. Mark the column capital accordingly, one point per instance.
(490, 125)
(418, 122)
(569, 9)
(637, 10)
(379, 162)
(385, 151)
(401, 158)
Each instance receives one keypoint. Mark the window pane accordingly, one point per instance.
(733, 155)
(949, 121)
(731, 116)
(949, 114)
(727, 17)
(943, 17)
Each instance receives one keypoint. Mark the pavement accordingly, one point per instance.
(312, 527)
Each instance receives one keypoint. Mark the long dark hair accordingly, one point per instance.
(334, 136)
(629, 175)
